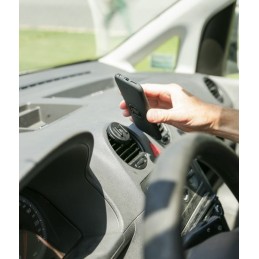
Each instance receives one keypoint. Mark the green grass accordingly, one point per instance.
(235, 76)
(41, 49)
(167, 51)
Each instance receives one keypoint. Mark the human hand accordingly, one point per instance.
(171, 104)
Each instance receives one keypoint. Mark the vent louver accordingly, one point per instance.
(126, 152)
(214, 89)
(126, 147)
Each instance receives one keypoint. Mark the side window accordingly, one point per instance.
(232, 59)
(162, 59)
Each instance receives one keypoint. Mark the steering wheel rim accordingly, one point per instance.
(164, 196)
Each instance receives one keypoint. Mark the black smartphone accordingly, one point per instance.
(137, 104)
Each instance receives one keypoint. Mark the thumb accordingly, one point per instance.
(158, 115)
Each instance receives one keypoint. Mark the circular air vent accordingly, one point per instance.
(126, 147)
(214, 89)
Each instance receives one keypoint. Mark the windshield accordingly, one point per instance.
(59, 32)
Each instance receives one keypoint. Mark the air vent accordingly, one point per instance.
(126, 147)
(214, 89)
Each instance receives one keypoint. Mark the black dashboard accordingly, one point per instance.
(81, 189)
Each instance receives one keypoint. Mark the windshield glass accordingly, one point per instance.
(59, 32)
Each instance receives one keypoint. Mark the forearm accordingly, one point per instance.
(225, 123)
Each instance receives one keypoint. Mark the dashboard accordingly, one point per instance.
(82, 189)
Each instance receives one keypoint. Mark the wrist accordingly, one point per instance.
(215, 113)
(224, 122)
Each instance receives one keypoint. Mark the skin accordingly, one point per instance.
(171, 104)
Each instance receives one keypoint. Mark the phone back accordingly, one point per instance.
(137, 103)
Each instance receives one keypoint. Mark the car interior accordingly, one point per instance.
(94, 185)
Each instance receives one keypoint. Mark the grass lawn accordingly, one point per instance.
(41, 49)
(161, 59)
(235, 76)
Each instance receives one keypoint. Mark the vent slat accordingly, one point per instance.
(132, 155)
(127, 152)
(213, 88)
(119, 149)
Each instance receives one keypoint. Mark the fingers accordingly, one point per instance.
(153, 90)
(123, 105)
(157, 103)
(158, 115)
(126, 113)
(157, 89)
(158, 95)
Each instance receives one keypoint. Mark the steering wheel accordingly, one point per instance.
(163, 207)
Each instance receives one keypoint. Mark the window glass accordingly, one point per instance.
(59, 32)
(232, 60)
(162, 59)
